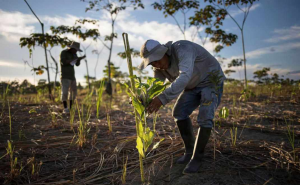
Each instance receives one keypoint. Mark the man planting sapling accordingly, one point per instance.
(189, 68)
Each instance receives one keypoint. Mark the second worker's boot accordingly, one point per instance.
(201, 141)
(186, 131)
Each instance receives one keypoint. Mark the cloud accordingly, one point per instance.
(15, 25)
(251, 68)
(139, 32)
(263, 51)
(267, 50)
(67, 20)
(285, 34)
(237, 12)
(10, 64)
(294, 72)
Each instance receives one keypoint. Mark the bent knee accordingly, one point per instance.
(206, 123)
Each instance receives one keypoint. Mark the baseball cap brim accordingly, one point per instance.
(157, 55)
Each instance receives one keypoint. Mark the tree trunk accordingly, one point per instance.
(109, 86)
(88, 75)
(49, 86)
(56, 71)
(244, 53)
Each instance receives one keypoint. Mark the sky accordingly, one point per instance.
(271, 32)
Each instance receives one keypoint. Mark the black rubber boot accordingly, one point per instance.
(65, 104)
(186, 131)
(201, 141)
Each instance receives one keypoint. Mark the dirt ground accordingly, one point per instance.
(47, 152)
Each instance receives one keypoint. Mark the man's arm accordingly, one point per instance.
(65, 61)
(186, 56)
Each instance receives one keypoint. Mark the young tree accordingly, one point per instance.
(113, 7)
(261, 74)
(275, 78)
(208, 16)
(212, 18)
(44, 45)
(244, 6)
(171, 7)
(233, 63)
(56, 68)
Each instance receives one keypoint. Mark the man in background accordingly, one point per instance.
(68, 59)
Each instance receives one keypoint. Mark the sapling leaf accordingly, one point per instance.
(148, 137)
(141, 130)
(140, 146)
(157, 144)
(32, 111)
(224, 113)
(138, 105)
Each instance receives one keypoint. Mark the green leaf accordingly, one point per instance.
(224, 113)
(148, 138)
(138, 106)
(32, 111)
(141, 130)
(139, 146)
(157, 144)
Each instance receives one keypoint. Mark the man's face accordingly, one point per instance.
(162, 63)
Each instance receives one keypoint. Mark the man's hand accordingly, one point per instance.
(154, 105)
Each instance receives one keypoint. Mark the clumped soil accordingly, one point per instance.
(46, 146)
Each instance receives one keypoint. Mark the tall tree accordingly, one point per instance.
(44, 45)
(113, 7)
(244, 6)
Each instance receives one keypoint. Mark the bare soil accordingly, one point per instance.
(262, 155)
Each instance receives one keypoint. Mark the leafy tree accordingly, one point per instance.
(115, 71)
(113, 7)
(171, 7)
(233, 63)
(48, 41)
(244, 6)
(275, 78)
(208, 17)
(212, 18)
(261, 74)
(228, 71)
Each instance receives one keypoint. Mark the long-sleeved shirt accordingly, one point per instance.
(67, 70)
(189, 67)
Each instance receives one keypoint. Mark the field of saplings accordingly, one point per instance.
(79, 103)
(255, 138)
